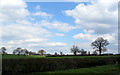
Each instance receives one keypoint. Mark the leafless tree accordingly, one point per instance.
(83, 52)
(99, 44)
(42, 52)
(75, 49)
(88, 52)
(20, 51)
(61, 53)
(31, 53)
(3, 49)
(95, 52)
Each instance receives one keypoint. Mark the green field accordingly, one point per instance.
(36, 64)
(21, 56)
(98, 69)
(38, 56)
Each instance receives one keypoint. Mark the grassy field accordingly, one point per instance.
(79, 56)
(93, 70)
(21, 56)
(37, 64)
(97, 69)
(38, 56)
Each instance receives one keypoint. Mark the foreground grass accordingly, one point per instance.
(110, 69)
(97, 69)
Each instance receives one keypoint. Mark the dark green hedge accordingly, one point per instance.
(17, 66)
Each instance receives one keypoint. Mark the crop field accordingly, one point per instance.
(20, 56)
(60, 64)
(107, 69)
(38, 56)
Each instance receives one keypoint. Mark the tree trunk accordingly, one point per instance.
(100, 51)
(75, 53)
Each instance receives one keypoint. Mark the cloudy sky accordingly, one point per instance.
(56, 26)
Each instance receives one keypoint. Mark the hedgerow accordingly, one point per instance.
(29, 65)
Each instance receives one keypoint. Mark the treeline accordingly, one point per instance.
(21, 51)
(99, 45)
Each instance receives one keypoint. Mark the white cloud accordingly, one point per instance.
(36, 40)
(50, 44)
(42, 14)
(92, 37)
(18, 42)
(56, 44)
(84, 36)
(57, 25)
(89, 31)
(11, 42)
(13, 10)
(37, 7)
(9, 46)
(16, 35)
(33, 45)
(100, 16)
(16, 31)
(59, 34)
(23, 22)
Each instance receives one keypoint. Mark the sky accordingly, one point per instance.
(56, 26)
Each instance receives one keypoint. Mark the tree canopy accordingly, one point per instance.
(3, 50)
(42, 52)
(75, 49)
(100, 45)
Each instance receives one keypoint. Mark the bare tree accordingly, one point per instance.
(17, 51)
(3, 49)
(31, 53)
(55, 54)
(83, 52)
(75, 49)
(88, 52)
(20, 51)
(95, 52)
(61, 53)
(42, 52)
(24, 52)
(99, 44)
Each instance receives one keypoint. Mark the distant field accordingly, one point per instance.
(21, 56)
(79, 56)
(98, 69)
(38, 56)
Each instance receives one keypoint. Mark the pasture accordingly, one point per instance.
(21, 56)
(107, 69)
(38, 56)
(59, 64)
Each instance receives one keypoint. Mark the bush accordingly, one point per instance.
(18, 66)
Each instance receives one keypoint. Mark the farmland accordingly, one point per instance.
(93, 70)
(20, 56)
(60, 64)
(38, 56)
